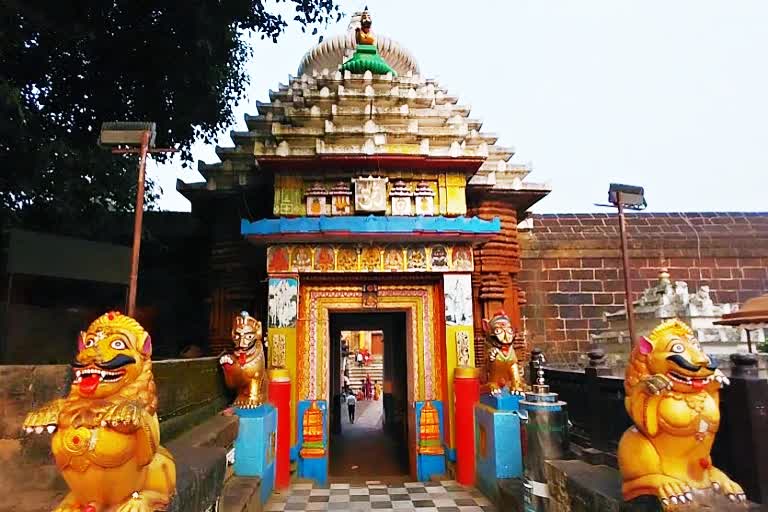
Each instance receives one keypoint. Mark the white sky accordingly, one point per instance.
(671, 95)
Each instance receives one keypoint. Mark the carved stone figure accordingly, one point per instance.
(672, 395)
(244, 369)
(501, 361)
(106, 439)
(363, 35)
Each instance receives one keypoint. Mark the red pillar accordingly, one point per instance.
(466, 385)
(280, 397)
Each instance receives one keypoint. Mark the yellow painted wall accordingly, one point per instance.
(451, 363)
(450, 189)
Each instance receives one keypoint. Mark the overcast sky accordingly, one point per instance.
(671, 95)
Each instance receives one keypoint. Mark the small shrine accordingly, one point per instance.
(362, 187)
(667, 300)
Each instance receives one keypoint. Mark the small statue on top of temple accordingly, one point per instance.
(501, 365)
(363, 35)
(106, 435)
(366, 57)
(244, 369)
(672, 396)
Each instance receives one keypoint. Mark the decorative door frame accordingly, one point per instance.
(318, 301)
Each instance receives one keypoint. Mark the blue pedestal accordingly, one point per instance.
(504, 401)
(255, 446)
(497, 442)
(314, 468)
(429, 465)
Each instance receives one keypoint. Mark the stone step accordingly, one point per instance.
(241, 494)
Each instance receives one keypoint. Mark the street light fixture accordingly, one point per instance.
(133, 138)
(626, 197)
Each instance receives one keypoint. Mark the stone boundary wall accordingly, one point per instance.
(571, 267)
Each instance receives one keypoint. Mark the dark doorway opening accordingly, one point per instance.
(377, 443)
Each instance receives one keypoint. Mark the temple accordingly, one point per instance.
(363, 193)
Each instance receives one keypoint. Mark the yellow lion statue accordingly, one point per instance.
(107, 437)
(672, 395)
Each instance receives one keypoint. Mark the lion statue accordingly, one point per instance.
(501, 366)
(672, 395)
(106, 436)
(244, 370)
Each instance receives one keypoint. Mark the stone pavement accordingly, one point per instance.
(364, 449)
(444, 496)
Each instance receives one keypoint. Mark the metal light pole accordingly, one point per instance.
(622, 197)
(133, 138)
(625, 263)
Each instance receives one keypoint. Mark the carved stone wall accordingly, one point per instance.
(497, 262)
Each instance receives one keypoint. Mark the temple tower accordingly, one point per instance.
(363, 188)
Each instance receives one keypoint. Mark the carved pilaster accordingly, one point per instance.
(497, 263)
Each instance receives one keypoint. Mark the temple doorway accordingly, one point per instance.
(368, 360)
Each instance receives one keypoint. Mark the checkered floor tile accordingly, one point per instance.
(444, 496)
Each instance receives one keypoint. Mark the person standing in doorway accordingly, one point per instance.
(351, 402)
(368, 387)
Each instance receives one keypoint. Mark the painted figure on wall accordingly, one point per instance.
(458, 299)
(106, 438)
(283, 302)
(501, 366)
(673, 397)
(244, 369)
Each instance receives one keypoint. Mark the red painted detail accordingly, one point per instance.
(280, 397)
(241, 358)
(704, 463)
(467, 393)
(88, 508)
(76, 440)
(111, 316)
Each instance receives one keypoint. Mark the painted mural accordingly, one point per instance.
(458, 299)
(283, 302)
(303, 258)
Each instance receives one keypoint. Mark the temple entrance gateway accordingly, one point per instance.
(368, 344)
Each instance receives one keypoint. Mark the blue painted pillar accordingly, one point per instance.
(255, 446)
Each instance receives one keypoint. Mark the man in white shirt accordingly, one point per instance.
(351, 402)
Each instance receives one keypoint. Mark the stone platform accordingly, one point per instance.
(577, 486)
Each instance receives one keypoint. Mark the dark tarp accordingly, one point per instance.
(41, 254)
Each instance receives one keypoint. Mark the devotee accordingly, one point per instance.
(368, 387)
(351, 402)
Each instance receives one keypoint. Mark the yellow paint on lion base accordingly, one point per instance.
(676, 415)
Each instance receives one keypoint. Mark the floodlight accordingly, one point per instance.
(126, 133)
(628, 195)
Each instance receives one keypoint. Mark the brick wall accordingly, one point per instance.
(571, 267)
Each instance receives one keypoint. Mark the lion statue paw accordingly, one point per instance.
(673, 492)
(44, 419)
(123, 416)
(727, 487)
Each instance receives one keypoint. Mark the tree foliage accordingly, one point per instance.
(66, 67)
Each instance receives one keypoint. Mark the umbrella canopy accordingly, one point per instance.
(753, 315)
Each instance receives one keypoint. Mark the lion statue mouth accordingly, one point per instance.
(89, 376)
(687, 373)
